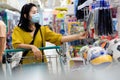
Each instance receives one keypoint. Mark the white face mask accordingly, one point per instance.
(36, 18)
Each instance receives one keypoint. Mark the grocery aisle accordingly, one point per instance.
(98, 47)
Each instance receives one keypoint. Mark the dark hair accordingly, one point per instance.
(24, 23)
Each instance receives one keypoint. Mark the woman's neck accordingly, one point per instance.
(32, 27)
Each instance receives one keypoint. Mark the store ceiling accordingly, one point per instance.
(53, 3)
(43, 3)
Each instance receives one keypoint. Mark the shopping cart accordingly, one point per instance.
(35, 67)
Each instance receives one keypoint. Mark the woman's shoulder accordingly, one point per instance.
(44, 26)
(16, 28)
(2, 24)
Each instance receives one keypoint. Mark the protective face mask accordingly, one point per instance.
(36, 18)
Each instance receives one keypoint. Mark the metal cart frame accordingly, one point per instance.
(8, 72)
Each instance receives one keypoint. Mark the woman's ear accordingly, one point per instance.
(25, 15)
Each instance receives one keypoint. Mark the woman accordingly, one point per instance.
(2, 39)
(2, 45)
(23, 34)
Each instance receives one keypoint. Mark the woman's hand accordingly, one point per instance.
(37, 52)
(0, 58)
(83, 35)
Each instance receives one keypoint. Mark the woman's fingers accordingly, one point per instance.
(83, 35)
(38, 55)
(37, 52)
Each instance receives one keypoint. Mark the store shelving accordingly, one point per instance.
(10, 4)
(7, 6)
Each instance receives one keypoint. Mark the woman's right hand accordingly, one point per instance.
(83, 35)
(37, 52)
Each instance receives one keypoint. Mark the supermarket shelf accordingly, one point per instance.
(77, 59)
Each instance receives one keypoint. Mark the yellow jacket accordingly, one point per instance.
(19, 36)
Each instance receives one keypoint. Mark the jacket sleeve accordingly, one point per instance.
(17, 37)
(52, 37)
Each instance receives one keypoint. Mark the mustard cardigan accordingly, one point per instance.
(19, 36)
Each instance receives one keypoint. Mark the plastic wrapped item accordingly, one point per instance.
(97, 56)
(114, 48)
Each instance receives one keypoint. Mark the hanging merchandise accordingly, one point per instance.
(11, 19)
(71, 21)
(115, 3)
(114, 12)
(88, 18)
(103, 18)
(69, 1)
(54, 23)
(62, 30)
(58, 24)
(82, 13)
(115, 22)
(59, 20)
(45, 16)
(60, 15)
(61, 8)
(61, 12)
(70, 18)
(75, 28)
(70, 8)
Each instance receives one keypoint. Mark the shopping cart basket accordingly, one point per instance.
(42, 66)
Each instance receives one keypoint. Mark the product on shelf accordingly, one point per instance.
(114, 49)
(98, 57)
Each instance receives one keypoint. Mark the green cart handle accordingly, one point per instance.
(42, 48)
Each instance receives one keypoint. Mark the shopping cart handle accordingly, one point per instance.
(42, 48)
